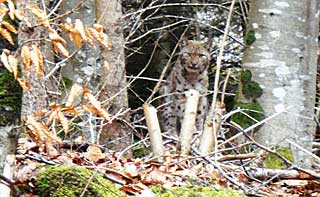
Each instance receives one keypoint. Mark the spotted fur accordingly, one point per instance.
(189, 72)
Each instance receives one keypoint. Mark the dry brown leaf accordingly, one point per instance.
(76, 37)
(89, 37)
(40, 112)
(59, 48)
(37, 60)
(5, 61)
(80, 28)
(40, 15)
(100, 37)
(54, 106)
(25, 85)
(131, 170)
(3, 10)
(9, 27)
(75, 92)
(6, 35)
(40, 126)
(64, 122)
(92, 33)
(54, 36)
(70, 110)
(154, 177)
(94, 153)
(13, 61)
(53, 115)
(12, 9)
(26, 60)
(40, 134)
(66, 26)
(98, 28)
(90, 108)
(105, 41)
(135, 188)
(97, 105)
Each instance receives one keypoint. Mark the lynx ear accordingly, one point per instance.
(208, 45)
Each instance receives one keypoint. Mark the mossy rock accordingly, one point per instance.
(72, 181)
(252, 109)
(194, 192)
(272, 161)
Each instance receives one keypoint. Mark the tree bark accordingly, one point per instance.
(84, 67)
(36, 97)
(283, 60)
(109, 14)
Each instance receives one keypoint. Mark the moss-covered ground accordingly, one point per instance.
(72, 181)
(194, 192)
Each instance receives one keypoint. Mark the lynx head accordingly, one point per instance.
(194, 57)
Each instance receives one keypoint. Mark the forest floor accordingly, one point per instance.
(133, 176)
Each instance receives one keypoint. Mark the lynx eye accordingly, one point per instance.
(185, 56)
(203, 57)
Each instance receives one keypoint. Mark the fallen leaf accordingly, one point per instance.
(94, 153)
(130, 169)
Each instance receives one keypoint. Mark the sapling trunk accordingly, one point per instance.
(189, 120)
(153, 129)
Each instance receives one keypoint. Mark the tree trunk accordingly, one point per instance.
(109, 14)
(283, 60)
(36, 97)
(83, 68)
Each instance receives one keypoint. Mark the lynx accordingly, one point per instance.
(189, 72)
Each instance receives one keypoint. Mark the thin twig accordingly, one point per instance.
(166, 68)
(225, 86)
(219, 60)
(303, 149)
(252, 127)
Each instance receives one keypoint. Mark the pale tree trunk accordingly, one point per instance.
(283, 61)
(84, 67)
(88, 67)
(109, 15)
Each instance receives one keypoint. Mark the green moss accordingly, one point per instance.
(139, 152)
(252, 109)
(250, 37)
(67, 83)
(252, 90)
(246, 76)
(194, 192)
(10, 98)
(272, 161)
(71, 181)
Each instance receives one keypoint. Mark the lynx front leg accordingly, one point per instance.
(201, 113)
(170, 121)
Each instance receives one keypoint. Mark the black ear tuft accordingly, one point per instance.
(208, 45)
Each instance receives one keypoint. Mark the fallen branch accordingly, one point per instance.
(236, 157)
(263, 173)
